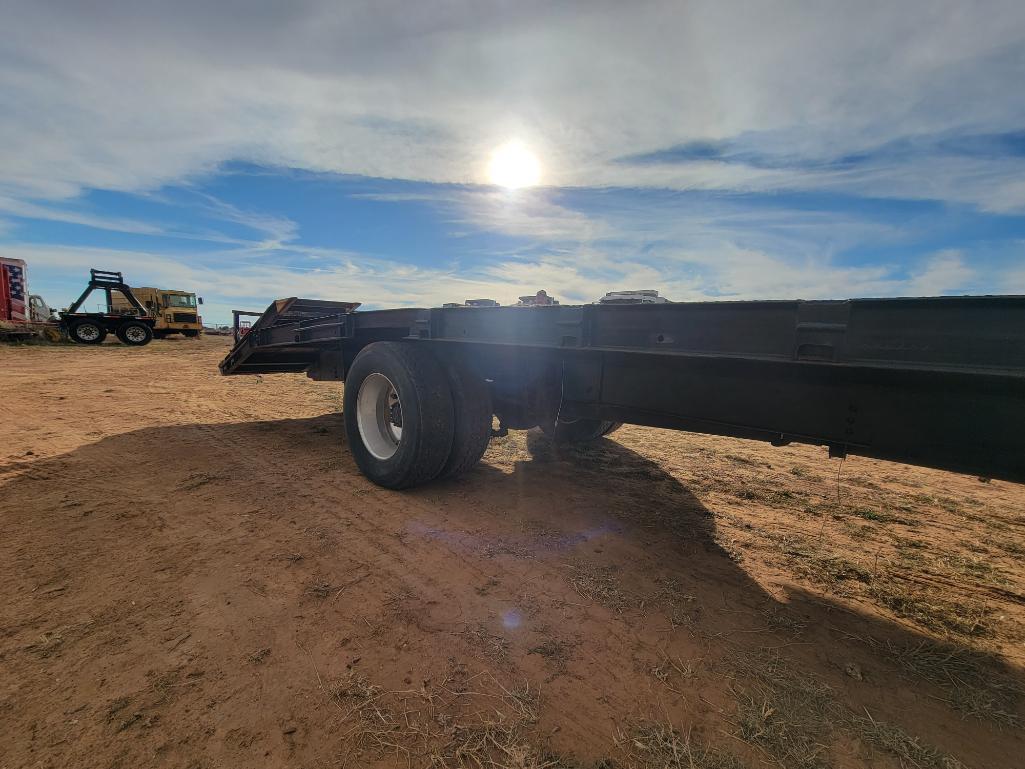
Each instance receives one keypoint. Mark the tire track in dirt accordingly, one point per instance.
(377, 532)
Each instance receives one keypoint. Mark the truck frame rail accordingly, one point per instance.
(935, 381)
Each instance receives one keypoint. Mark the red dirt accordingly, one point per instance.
(195, 574)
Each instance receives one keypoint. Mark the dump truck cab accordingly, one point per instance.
(176, 312)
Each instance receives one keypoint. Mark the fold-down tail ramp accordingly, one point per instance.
(288, 337)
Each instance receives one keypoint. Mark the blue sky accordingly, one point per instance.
(723, 150)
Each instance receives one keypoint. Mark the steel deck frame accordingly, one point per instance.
(930, 381)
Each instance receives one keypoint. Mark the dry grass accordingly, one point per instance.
(677, 604)
(790, 716)
(908, 750)
(973, 688)
(964, 618)
(466, 721)
(493, 647)
(556, 653)
(661, 746)
(319, 589)
(888, 584)
(1010, 546)
(259, 656)
(972, 566)
(494, 745)
(809, 561)
(673, 672)
(599, 584)
(795, 718)
(779, 618)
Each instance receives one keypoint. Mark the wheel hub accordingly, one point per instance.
(379, 416)
(395, 411)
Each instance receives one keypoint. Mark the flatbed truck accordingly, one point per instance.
(933, 381)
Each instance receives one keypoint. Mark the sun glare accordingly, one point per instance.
(513, 166)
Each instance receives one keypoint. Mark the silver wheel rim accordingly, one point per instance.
(379, 416)
(88, 332)
(135, 333)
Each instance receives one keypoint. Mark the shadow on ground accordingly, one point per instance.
(207, 534)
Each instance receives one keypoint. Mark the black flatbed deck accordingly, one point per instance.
(937, 381)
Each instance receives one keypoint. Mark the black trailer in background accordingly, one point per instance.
(134, 327)
(937, 381)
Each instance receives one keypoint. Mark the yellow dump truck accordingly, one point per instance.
(176, 311)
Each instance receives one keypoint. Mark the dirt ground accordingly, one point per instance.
(194, 574)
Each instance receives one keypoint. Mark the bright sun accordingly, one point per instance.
(514, 166)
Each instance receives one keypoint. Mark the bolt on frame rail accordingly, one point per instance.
(935, 381)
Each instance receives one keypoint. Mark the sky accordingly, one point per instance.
(343, 150)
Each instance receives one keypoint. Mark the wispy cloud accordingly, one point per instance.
(276, 231)
(53, 213)
(944, 273)
(680, 144)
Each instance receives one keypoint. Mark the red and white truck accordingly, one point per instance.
(14, 303)
(22, 315)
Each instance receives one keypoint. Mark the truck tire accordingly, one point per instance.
(190, 333)
(134, 333)
(612, 427)
(577, 430)
(87, 332)
(399, 419)
(471, 401)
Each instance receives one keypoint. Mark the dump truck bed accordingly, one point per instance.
(937, 381)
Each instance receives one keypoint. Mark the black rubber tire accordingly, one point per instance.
(471, 401)
(576, 431)
(612, 427)
(74, 332)
(427, 414)
(134, 325)
(190, 333)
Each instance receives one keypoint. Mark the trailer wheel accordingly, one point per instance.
(398, 411)
(577, 430)
(134, 333)
(87, 332)
(471, 401)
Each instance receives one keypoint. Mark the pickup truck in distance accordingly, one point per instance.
(934, 381)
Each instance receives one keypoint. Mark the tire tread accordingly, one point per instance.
(433, 434)
(471, 401)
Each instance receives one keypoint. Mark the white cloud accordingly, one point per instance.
(944, 273)
(233, 279)
(130, 96)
